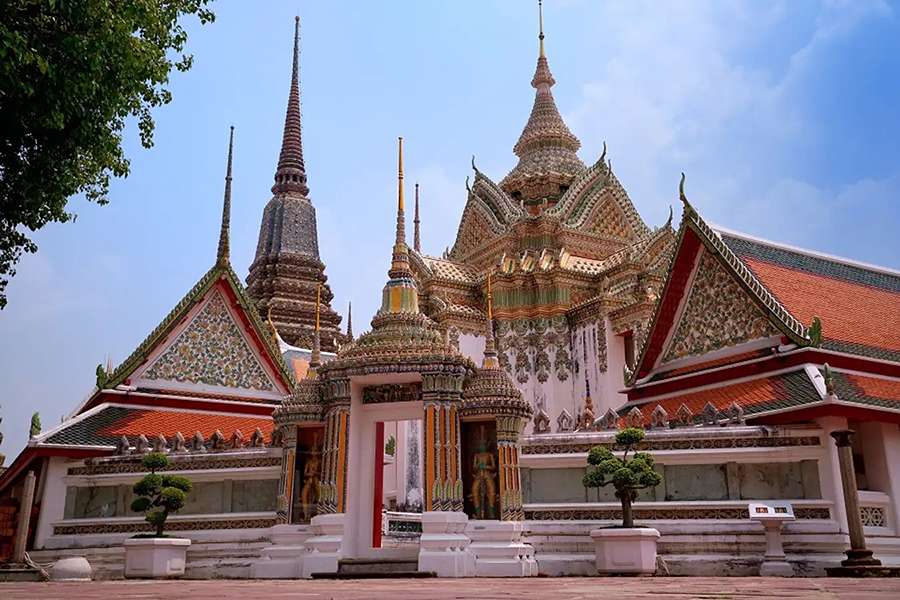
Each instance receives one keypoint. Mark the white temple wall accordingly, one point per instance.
(881, 454)
(53, 498)
(829, 470)
(613, 383)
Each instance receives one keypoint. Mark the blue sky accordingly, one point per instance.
(782, 114)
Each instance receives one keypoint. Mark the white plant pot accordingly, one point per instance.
(629, 551)
(155, 557)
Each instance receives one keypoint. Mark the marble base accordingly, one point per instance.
(443, 546)
(323, 548)
(623, 551)
(155, 557)
(499, 550)
(776, 568)
(282, 560)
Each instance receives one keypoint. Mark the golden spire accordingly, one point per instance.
(541, 25)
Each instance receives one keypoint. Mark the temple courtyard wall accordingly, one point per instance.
(710, 474)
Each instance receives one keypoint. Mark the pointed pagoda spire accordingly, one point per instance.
(416, 240)
(490, 349)
(400, 262)
(290, 175)
(350, 320)
(222, 256)
(400, 294)
(541, 27)
(546, 148)
(315, 360)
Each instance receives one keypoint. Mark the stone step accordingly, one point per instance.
(386, 575)
(353, 566)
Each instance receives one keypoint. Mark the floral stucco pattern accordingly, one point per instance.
(211, 351)
(718, 313)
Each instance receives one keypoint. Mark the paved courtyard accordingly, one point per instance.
(669, 588)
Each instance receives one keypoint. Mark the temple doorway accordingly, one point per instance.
(371, 470)
(396, 519)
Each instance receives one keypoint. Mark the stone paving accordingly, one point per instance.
(572, 588)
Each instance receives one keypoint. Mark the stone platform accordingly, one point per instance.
(569, 588)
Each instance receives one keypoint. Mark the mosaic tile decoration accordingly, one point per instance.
(212, 351)
(718, 313)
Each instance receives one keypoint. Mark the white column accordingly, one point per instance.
(830, 470)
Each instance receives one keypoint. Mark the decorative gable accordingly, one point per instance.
(717, 313)
(211, 350)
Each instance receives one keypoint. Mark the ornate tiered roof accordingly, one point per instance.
(286, 274)
(546, 149)
(401, 338)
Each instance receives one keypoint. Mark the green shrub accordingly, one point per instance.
(626, 475)
(159, 495)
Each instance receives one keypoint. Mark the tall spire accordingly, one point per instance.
(490, 350)
(400, 261)
(224, 233)
(290, 175)
(416, 240)
(350, 320)
(400, 294)
(546, 149)
(541, 27)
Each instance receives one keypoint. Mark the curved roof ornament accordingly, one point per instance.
(468, 189)
(669, 220)
(602, 158)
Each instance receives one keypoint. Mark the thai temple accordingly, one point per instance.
(453, 434)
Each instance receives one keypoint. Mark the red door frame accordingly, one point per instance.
(378, 491)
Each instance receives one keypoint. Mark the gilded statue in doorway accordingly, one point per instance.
(484, 490)
(309, 494)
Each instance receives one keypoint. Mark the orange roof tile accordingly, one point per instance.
(153, 422)
(850, 312)
(754, 396)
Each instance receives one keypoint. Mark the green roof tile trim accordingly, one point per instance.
(816, 265)
(84, 432)
(861, 350)
(848, 391)
(218, 271)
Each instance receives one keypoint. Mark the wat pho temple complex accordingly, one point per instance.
(453, 434)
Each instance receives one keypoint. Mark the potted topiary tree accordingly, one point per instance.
(156, 554)
(624, 549)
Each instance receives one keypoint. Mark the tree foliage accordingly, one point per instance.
(159, 495)
(71, 73)
(626, 475)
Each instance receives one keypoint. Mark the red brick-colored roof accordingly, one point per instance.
(753, 396)
(850, 312)
(859, 305)
(109, 424)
